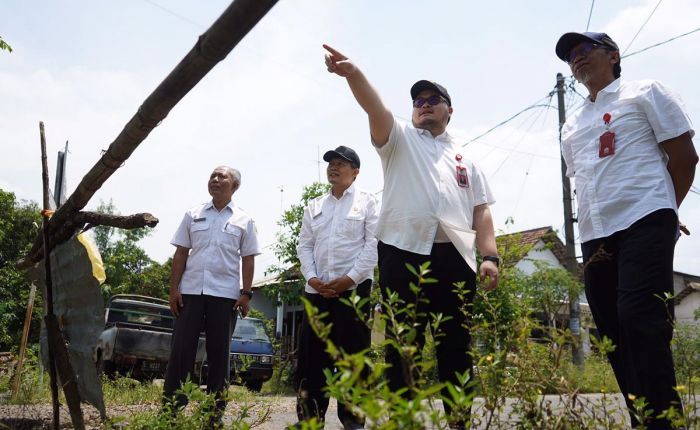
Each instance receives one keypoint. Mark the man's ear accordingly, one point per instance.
(615, 58)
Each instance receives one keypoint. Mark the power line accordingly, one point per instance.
(175, 14)
(661, 43)
(590, 14)
(506, 121)
(642, 27)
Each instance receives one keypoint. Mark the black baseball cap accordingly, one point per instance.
(343, 152)
(423, 85)
(569, 40)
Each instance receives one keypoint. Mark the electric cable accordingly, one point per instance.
(661, 43)
(642, 27)
(590, 14)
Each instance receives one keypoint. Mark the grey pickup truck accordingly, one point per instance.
(136, 338)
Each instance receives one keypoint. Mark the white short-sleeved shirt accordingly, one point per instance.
(337, 237)
(217, 240)
(421, 190)
(615, 191)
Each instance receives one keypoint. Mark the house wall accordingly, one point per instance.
(263, 304)
(538, 253)
(686, 309)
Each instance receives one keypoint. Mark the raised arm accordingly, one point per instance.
(380, 118)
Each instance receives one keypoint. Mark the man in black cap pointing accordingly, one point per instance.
(435, 208)
(337, 251)
(630, 149)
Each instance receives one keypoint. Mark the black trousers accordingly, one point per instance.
(626, 276)
(452, 338)
(214, 315)
(349, 333)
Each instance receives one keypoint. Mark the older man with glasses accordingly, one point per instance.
(630, 149)
(435, 206)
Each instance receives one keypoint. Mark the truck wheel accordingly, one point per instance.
(254, 385)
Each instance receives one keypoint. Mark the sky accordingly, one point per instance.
(271, 109)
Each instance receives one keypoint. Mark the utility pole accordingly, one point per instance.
(570, 263)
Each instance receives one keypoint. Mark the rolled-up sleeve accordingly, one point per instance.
(305, 247)
(367, 259)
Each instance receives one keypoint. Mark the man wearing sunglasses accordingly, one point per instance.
(435, 206)
(630, 149)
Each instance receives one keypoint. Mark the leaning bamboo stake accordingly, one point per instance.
(59, 361)
(23, 343)
(212, 47)
(48, 292)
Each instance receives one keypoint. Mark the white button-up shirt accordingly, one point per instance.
(337, 237)
(217, 240)
(421, 191)
(615, 191)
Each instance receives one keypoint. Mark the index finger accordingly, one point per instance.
(335, 52)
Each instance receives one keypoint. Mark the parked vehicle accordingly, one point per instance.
(137, 336)
(252, 355)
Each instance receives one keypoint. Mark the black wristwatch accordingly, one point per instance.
(492, 258)
(248, 293)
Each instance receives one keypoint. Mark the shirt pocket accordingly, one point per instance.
(231, 237)
(201, 233)
(353, 226)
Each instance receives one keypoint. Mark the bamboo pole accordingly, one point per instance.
(48, 293)
(23, 342)
(59, 361)
(211, 47)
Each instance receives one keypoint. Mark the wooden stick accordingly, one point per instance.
(23, 343)
(48, 292)
(59, 359)
(78, 220)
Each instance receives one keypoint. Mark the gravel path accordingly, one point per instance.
(281, 413)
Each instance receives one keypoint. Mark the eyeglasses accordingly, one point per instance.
(582, 49)
(433, 100)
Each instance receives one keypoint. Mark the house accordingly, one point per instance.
(686, 298)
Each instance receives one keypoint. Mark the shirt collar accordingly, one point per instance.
(612, 87)
(210, 205)
(444, 136)
(348, 190)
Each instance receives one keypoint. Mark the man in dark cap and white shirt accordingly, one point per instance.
(435, 206)
(338, 251)
(630, 149)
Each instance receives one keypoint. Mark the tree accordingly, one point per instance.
(19, 224)
(547, 289)
(128, 268)
(290, 282)
(4, 46)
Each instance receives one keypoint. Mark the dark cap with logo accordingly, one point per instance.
(345, 153)
(423, 85)
(569, 40)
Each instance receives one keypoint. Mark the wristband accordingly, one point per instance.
(492, 258)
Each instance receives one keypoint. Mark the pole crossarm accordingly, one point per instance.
(211, 47)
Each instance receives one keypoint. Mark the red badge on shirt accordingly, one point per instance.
(607, 139)
(462, 179)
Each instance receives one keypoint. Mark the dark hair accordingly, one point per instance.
(617, 69)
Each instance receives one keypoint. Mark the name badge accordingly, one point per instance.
(607, 144)
(199, 219)
(462, 179)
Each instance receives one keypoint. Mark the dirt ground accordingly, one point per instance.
(281, 413)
